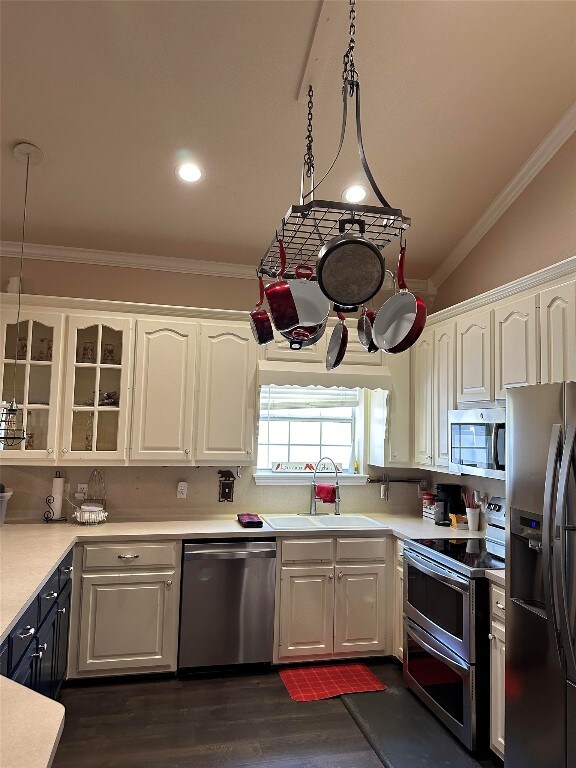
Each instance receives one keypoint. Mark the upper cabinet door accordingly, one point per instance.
(515, 333)
(98, 375)
(558, 334)
(474, 357)
(31, 365)
(227, 394)
(444, 389)
(423, 392)
(164, 386)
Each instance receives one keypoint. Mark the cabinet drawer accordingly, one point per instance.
(129, 554)
(47, 595)
(361, 549)
(498, 602)
(23, 633)
(307, 551)
(65, 570)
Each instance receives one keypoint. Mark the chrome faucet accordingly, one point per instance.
(314, 486)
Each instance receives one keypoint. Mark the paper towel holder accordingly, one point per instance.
(49, 514)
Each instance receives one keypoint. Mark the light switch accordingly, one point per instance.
(182, 491)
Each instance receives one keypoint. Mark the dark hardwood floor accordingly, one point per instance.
(238, 721)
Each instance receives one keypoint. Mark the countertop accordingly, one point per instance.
(30, 552)
(497, 577)
(30, 726)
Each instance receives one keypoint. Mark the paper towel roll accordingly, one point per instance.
(57, 493)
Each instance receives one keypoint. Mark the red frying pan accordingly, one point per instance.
(365, 333)
(260, 320)
(304, 336)
(401, 319)
(337, 344)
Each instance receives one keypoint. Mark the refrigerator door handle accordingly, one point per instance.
(568, 465)
(548, 522)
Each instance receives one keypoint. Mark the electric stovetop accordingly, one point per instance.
(467, 556)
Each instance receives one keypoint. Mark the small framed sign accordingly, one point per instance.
(301, 466)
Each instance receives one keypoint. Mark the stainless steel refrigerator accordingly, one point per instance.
(541, 577)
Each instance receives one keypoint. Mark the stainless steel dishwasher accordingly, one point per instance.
(227, 608)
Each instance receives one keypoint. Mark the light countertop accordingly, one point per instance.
(30, 552)
(30, 726)
(497, 577)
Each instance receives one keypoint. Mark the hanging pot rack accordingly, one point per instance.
(308, 226)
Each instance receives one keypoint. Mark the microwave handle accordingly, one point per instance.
(495, 432)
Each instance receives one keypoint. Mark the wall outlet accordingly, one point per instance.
(182, 490)
(82, 488)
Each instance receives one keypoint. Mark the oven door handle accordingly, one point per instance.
(450, 660)
(436, 571)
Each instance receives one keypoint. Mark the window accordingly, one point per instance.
(303, 424)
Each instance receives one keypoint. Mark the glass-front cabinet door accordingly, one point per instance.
(98, 359)
(30, 370)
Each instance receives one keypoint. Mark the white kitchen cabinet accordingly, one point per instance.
(399, 601)
(337, 609)
(558, 334)
(390, 432)
(96, 388)
(227, 394)
(32, 361)
(125, 608)
(360, 609)
(164, 391)
(497, 669)
(444, 390)
(306, 611)
(497, 677)
(515, 345)
(474, 374)
(423, 399)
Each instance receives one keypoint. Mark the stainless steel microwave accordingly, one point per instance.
(477, 442)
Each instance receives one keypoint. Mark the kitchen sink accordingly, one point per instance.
(291, 522)
(349, 521)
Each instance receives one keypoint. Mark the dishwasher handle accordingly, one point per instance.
(229, 551)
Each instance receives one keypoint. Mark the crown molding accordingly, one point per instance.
(159, 263)
(531, 282)
(558, 136)
(131, 260)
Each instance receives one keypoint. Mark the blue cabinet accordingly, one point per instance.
(36, 651)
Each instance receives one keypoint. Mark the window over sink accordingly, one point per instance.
(299, 425)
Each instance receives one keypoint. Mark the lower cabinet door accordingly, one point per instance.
(306, 611)
(62, 633)
(128, 622)
(360, 610)
(25, 672)
(46, 645)
(497, 703)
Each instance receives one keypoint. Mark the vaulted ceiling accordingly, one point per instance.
(456, 97)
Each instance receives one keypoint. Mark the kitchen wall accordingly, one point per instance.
(539, 229)
(149, 493)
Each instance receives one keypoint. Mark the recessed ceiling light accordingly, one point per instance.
(188, 172)
(355, 193)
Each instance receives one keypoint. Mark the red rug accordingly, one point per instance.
(328, 680)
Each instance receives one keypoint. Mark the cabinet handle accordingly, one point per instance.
(127, 557)
(340, 575)
(64, 450)
(491, 636)
(501, 606)
(41, 649)
(68, 569)
(61, 610)
(169, 583)
(187, 451)
(29, 633)
(50, 595)
(49, 451)
(331, 576)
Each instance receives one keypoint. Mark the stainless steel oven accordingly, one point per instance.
(477, 442)
(440, 600)
(442, 680)
(446, 619)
